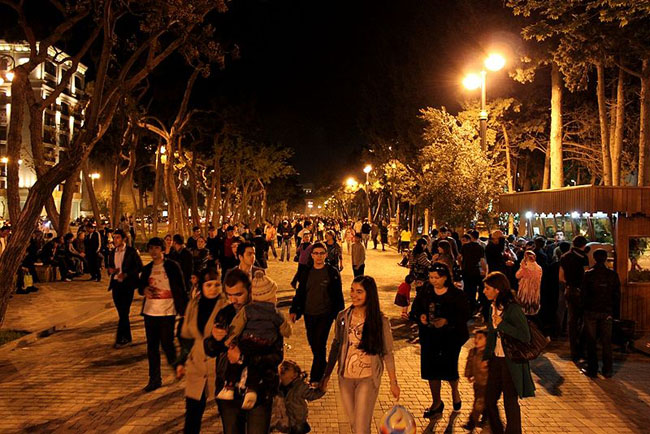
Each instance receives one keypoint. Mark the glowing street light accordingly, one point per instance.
(472, 81)
(4, 160)
(351, 182)
(493, 62)
(94, 176)
(367, 169)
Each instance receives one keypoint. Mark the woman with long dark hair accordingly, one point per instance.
(441, 311)
(199, 370)
(506, 376)
(362, 345)
(420, 262)
(445, 254)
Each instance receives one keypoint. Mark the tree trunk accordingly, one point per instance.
(116, 188)
(19, 86)
(65, 206)
(546, 181)
(22, 231)
(617, 147)
(644, 130)
(511, 187)
(194, 192)
(557, 167)
(604, 125)
(91, 192)
(156, 190)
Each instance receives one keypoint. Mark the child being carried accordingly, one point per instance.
(255, 329)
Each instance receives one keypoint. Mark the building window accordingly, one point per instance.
(65, 109)
(49, 136)
(64, 140)
(3, 132)
(50, 120)
(50, 68)
(78, 83)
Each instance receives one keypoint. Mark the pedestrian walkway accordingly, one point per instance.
(74, 381)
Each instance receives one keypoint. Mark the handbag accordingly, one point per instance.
(519, 351)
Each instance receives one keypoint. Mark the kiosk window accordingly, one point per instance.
(639, 259)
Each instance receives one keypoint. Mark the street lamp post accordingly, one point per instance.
(494, 62)
(367, 171)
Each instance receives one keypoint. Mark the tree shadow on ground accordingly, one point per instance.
(549, 378)
(122, 360)
(103, 415)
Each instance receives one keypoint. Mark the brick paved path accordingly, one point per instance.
(73, 381)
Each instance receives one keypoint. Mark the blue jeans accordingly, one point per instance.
(286, 247)
(238, 421)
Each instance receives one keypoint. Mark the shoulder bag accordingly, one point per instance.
(519, 351)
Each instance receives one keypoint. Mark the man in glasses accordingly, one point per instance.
(319, 297)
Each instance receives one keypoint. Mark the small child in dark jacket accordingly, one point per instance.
(255, 329)
(476, 371)
(295, 391)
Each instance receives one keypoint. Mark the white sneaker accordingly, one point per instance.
(226, 394)
(249, 400)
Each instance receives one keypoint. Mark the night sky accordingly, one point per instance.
(324, 75)
(329, 78)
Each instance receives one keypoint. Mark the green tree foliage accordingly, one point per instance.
(460, 182)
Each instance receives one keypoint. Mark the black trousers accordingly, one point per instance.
(318, 330)
(194, 414)
(359, 271)
(123, 297)
(94, 265)
(238, 421)
(574, 323)
(160, 332)
(472, 286)
(500, 381)
(599, 324)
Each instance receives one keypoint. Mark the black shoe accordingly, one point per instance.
(432, 412)
(588, 373)
(153, 385)
(469, 426)
(121, 344)
(608, 374)
(31, 289)
(458, 405)
(22, 291)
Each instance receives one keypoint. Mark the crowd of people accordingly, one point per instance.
(508, 285)
(213, 295)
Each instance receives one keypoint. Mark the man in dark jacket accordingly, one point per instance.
(163, 286)
(93, 252)
(124, 266)
(601, 296)
(183, 257)
(572, 271)
(261, 249)
(319, 297)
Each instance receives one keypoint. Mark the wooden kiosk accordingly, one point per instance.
(616, 215)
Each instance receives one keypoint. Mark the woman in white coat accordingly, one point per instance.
(198, 369)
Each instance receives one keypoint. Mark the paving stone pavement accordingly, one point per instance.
(74, 381)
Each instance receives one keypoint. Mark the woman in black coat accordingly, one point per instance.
(441, 312)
